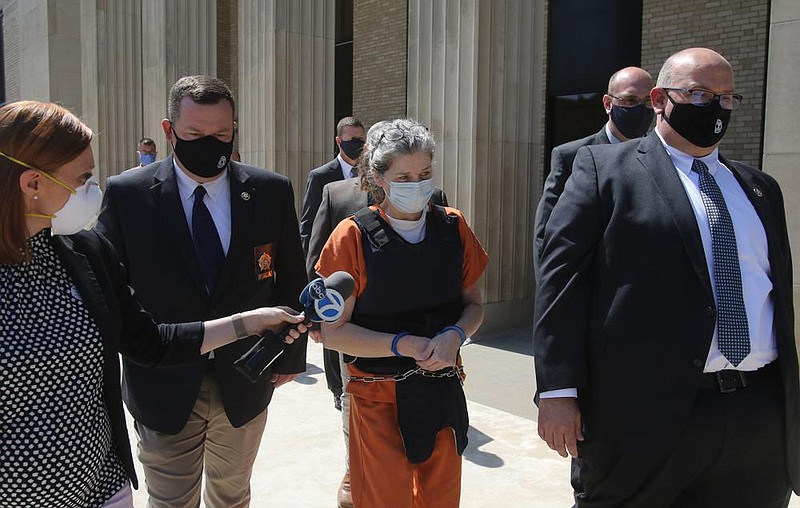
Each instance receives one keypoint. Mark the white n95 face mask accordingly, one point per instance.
(80, 210)
(411, 197)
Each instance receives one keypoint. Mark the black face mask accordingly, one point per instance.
(632, 122)
(702, 126)
(205, 157)
(352, 148)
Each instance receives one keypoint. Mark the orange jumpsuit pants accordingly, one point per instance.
(381, 476)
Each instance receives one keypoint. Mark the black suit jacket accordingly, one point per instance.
(624, 308)
(340, 200)
(561, 159)
(317, 180)
(124, 326)
(144, 219)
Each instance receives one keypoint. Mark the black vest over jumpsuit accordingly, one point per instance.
(414, 288)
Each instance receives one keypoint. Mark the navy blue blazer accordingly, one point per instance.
(143, 218)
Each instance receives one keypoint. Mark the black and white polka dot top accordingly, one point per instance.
(56, 445)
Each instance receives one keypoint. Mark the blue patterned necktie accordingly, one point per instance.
(732, 330)
(207, 244)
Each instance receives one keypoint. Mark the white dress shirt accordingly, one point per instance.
(751, 241)
(611, 138)
(346, 167)
(217, 200)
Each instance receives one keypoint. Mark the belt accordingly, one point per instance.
(729, 380)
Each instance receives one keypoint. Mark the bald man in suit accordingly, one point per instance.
(664, 323)
(630, 114)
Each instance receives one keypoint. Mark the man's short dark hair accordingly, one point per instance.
(147, 142)
(201, 89)
(348, 121)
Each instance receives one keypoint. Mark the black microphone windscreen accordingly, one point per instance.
(342, 282)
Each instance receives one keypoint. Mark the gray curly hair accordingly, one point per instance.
(386, 141)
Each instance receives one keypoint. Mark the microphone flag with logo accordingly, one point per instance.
(322, 300)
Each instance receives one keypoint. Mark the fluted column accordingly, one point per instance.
(781, 129)
(42, 51)
(286, 57)
(476, 78)
(111, 81)
(179, 38)
(132, 52)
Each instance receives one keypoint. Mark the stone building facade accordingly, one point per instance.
(736, 29)
(474, 71)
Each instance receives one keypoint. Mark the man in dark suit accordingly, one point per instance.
(630, 114)
(350, 136)
(203, 237)
(664, 340)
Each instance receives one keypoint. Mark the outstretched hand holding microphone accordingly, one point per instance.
(323, 300)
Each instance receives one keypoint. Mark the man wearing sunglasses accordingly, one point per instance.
(630, 114)
(664, 338)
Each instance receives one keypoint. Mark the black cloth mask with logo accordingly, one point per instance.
(702, 126)
(205, 157)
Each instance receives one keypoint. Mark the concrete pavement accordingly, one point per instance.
(300, 461)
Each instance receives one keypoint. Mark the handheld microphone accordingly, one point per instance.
(323, 300)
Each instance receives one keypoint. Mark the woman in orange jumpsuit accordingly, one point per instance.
(416, 299)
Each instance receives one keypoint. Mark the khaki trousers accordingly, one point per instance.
(173, 464)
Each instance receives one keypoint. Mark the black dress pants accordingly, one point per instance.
(333, 372)
(731, 455)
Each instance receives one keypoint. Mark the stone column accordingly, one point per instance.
(476, 78)
(286, 56)
(781, 129)
(42, 51)
(132, 52)
(179, 38)
(111, 81)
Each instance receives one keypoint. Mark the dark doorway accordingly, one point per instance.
(587, 42)
(343, 62)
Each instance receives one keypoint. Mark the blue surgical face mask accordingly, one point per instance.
(411, 197)
(147, 158)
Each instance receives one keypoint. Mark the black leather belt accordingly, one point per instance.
(727, 381)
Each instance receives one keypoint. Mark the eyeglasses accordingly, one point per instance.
(395, 134)
(631, 101)
(700, 97)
